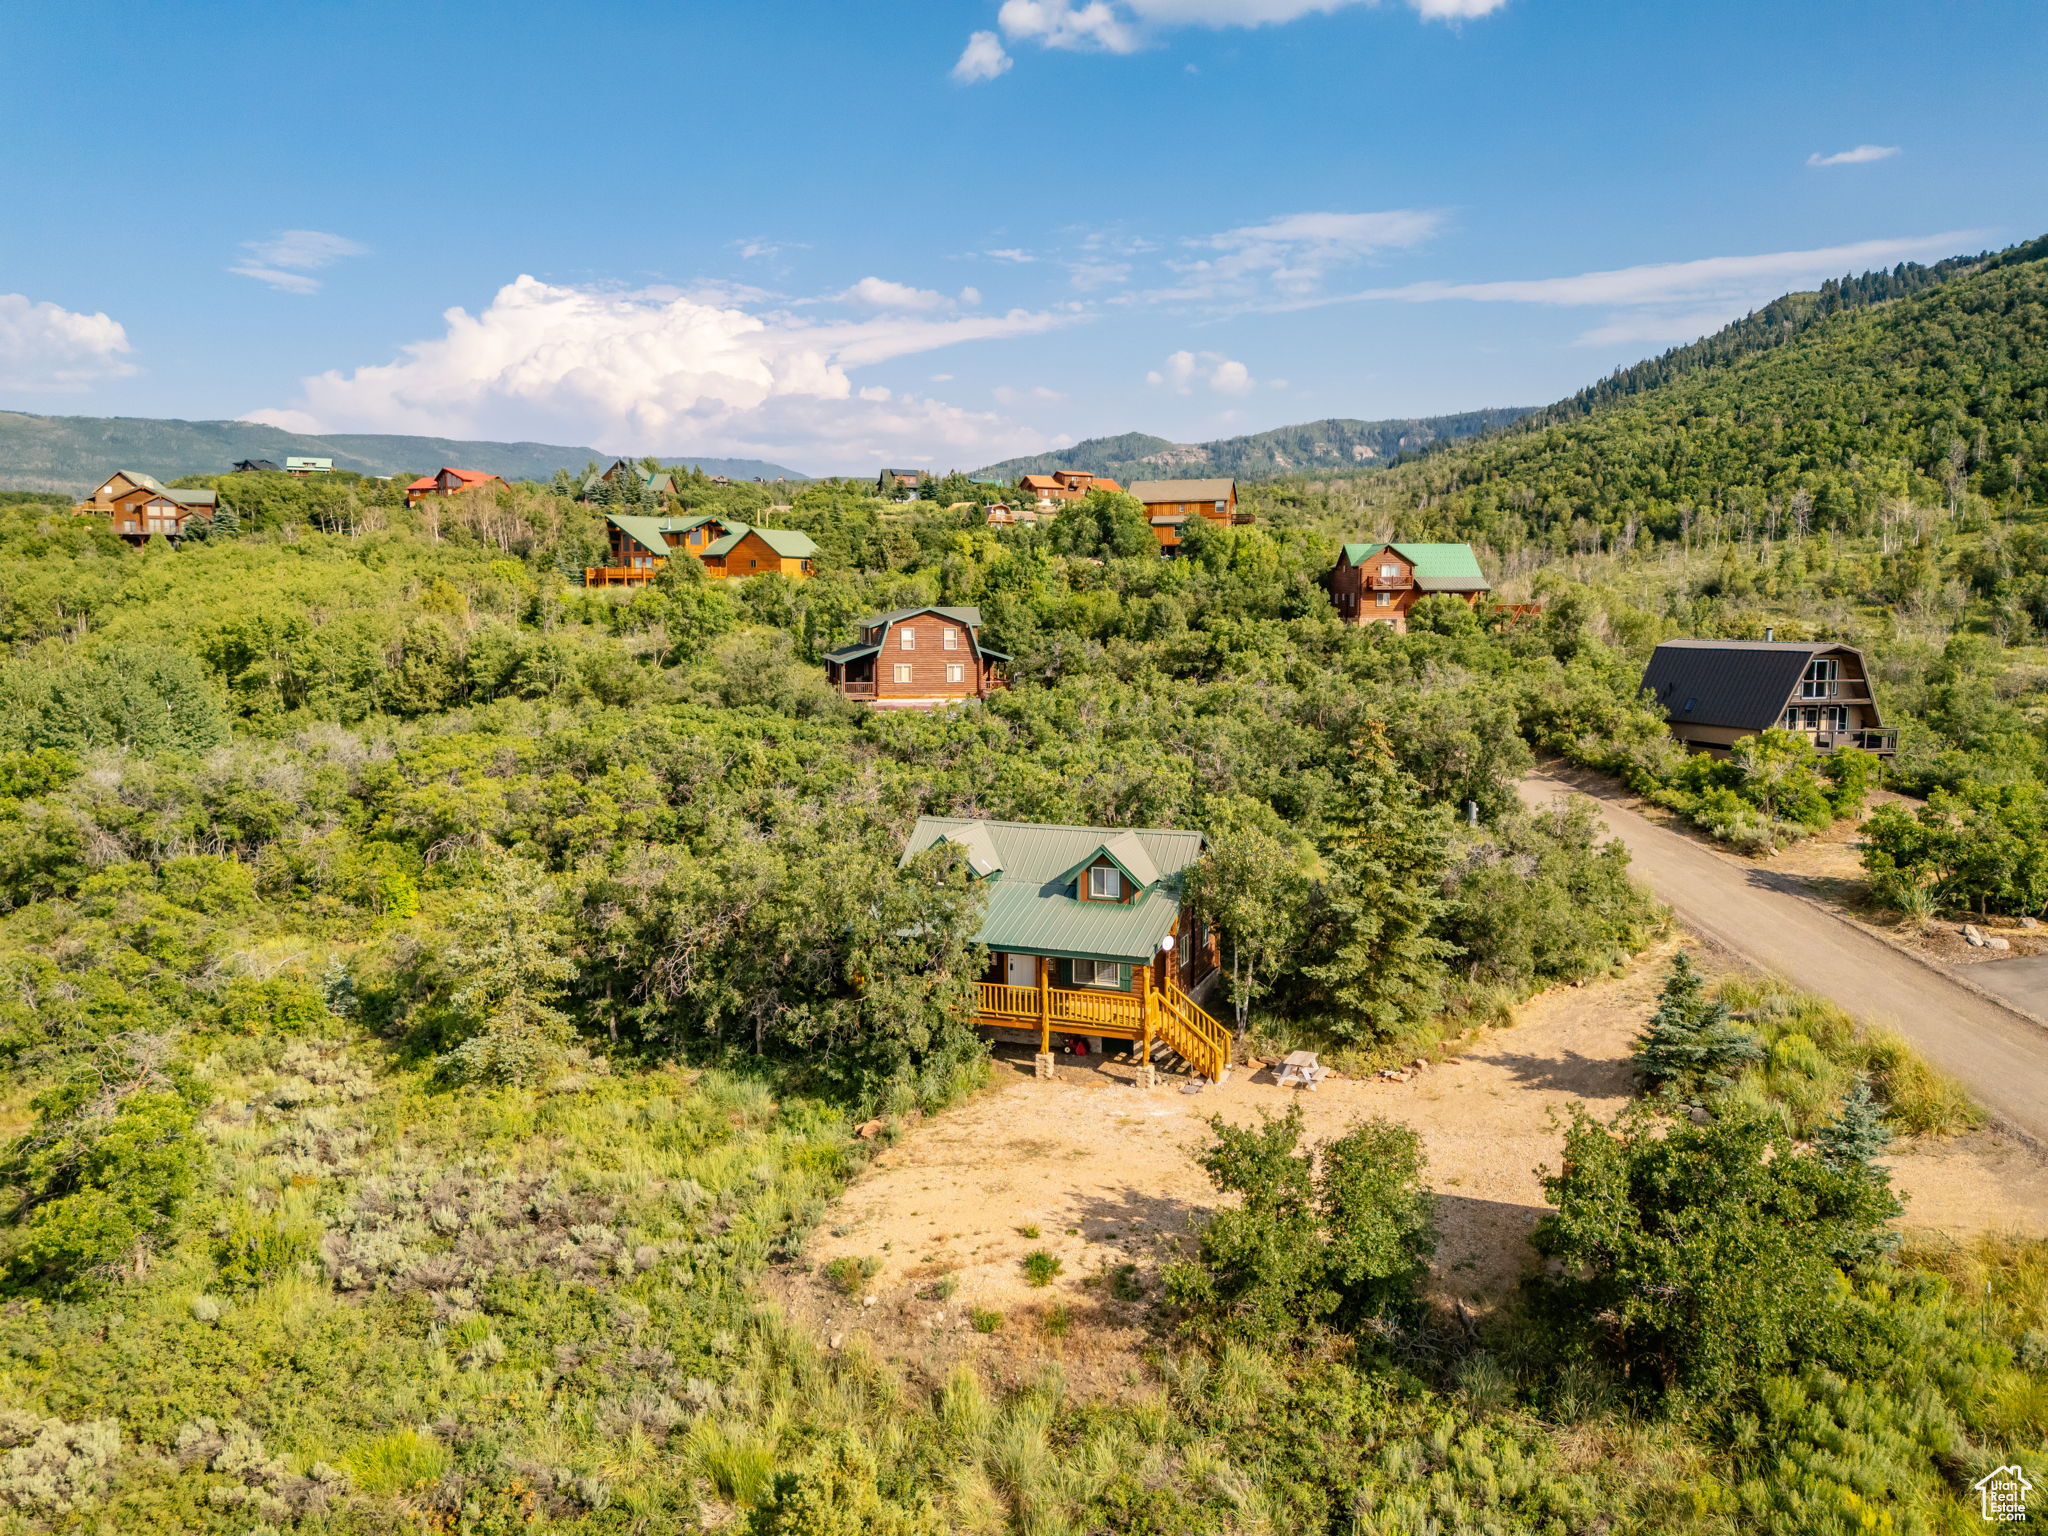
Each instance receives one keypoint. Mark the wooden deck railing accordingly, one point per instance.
(616, 575)
(1151, 1013)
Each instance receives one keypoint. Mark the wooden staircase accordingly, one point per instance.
(1186, 1028)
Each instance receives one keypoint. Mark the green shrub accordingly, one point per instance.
(985, 1319)
(1040, 1266)
(850, 1275)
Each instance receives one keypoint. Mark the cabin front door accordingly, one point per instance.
(1020, 970)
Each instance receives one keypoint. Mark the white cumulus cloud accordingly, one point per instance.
(659, 370)
(983, 58)
(287, 260)
(1182, 371)
(1862, 154)
(1125, 26)
(44, 346)
(880, 293)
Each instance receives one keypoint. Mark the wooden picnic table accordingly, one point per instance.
(1300, 1068)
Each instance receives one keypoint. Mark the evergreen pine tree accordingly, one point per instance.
(338, 987)
(1858, 1132)
(1691, 1042)
(227, 523)
(1379, 964)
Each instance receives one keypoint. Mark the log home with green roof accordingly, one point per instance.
(918, 658)
(749, 551)
(1089, 934)
(641, 546)
(1379, 583)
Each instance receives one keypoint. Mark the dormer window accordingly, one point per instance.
(1105, 883)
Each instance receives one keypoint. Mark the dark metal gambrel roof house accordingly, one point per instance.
(1715, 692)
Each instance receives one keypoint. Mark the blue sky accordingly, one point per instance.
(843, 235)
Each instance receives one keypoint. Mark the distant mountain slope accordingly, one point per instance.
(71, 453)
(1877, 415)
(1332, 444)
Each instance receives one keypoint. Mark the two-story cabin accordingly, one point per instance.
(139, 507)
(641, 546)
(1379, 583)
(1715, 692)
(895, 483)
(447, 482)
(1170, 503)
(917, 658)
(254, 467)
(300, 464)
(1088, 935)
(748, 551)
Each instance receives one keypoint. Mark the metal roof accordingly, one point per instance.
(1152, 492)
(1032, 908)
(195, 498)
(644, 531)
(969, 616)
(1438, 567)
(1737, 684)
(786, 542)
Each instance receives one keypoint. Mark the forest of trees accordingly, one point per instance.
(431, 992)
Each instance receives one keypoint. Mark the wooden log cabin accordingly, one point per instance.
(745, 551)
(1170, 503)
(1379, 583)
(139, 507)
(641, 546)
(1089, 936)
(1715, 692)
(918, 658)
(447, 482)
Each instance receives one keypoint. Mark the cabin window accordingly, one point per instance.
(1097, 973)
(1105, 883)
(1822, 673)
(909, 638)
(1390, 571)
(955, 672)
(952, 639)
(1222, 506)
(902, 672)
(803, 565)
(1383, 598)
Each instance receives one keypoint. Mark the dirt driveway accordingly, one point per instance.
(1098, 1173)
(1760, 917)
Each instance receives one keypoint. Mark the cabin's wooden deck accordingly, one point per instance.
(1165, 1014)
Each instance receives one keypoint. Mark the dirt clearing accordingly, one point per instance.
(1098, 1174)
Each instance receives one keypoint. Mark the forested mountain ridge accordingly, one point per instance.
(72, 453)
(1329, 444)
(1913, 402)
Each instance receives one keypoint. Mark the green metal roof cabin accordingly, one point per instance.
(1090, 935)
(1379, 583)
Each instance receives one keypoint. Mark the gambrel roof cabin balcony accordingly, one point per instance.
(1715, 692)
(918, 658)
(1089, 935)
(140, 507)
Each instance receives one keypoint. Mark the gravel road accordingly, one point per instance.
(1999, 1055)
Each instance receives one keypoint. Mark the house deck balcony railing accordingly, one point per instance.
(1882, 740)
(617, 575)
(1162, 1014)
(856, 690)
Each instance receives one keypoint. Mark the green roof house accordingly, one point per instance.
(748, 551)
(1379, 583)
(641, 546)
(1089, 933)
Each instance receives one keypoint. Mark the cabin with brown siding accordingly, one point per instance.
(139, 507)
(641, 546)
(448, 482)
(1379, 583)
(1170, 503)
(745, 551)
(918, 658)
(1090, 938)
